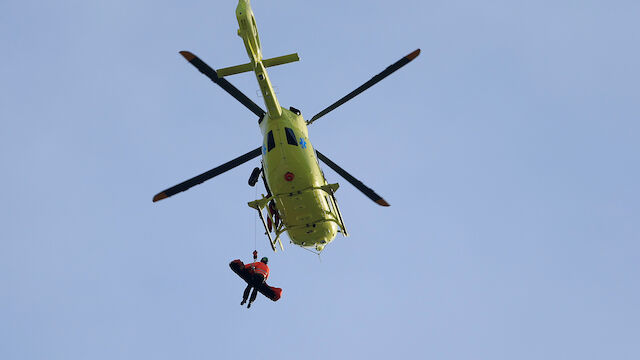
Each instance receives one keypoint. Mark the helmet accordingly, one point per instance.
(264, 260)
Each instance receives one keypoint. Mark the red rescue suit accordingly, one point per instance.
(255, 275)
(258, 268)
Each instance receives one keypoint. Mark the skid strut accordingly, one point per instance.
(259, 205)
(331, 192)
(266, 229)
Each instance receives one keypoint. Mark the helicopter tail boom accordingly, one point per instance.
(248, 31)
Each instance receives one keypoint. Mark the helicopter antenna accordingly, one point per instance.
(313, 252)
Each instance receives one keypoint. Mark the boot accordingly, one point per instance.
(248, 305)
(243, 301)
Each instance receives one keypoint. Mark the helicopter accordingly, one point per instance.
(299, 200)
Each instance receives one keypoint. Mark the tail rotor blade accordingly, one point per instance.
(186, 185)
(223, 83)
(374, 80)
(355, 182)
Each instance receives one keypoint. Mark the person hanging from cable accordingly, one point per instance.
(256, 275)
(259, 274)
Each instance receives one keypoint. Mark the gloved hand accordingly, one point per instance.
(255, 254)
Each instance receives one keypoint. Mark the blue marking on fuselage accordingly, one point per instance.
(303, 143)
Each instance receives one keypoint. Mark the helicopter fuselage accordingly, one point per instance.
(289, 161)
(293, 175)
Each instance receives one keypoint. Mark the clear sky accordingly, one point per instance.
(508, 152)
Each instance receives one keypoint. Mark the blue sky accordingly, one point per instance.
(507, 150)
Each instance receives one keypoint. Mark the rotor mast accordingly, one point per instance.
(248, 31)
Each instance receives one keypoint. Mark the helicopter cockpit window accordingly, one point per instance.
(270, 142)
(291, 136)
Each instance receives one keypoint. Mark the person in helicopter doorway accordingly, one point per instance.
(259, 274)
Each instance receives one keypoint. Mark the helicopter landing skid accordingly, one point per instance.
(260, 204)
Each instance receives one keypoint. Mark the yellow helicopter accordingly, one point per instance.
(299, 199)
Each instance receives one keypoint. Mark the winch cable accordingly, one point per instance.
(255, 224)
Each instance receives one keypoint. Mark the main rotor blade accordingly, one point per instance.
(355, 182)
(223, 83)
(374, 80)
(186, 185)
